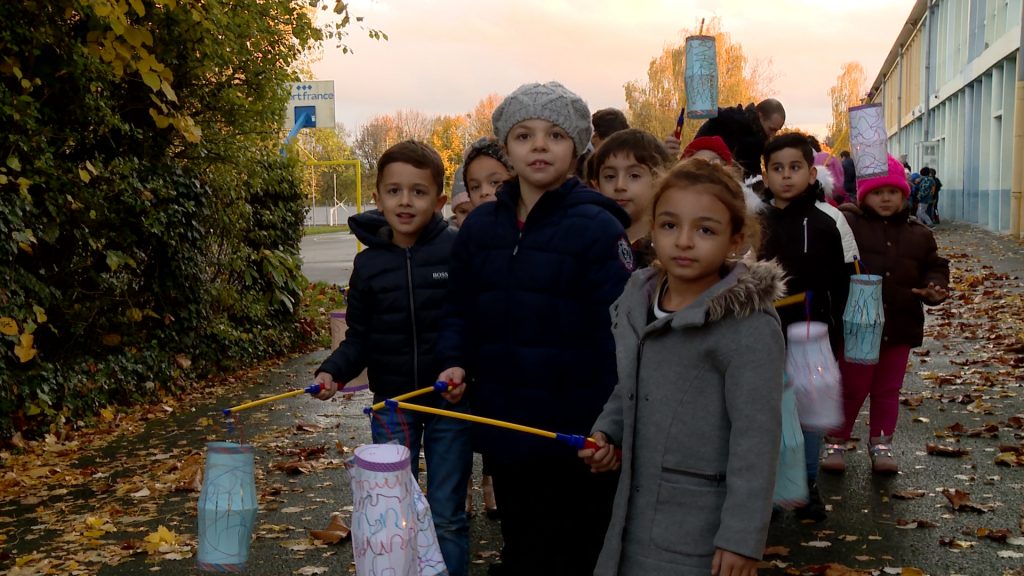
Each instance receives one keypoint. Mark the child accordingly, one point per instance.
(461, 207)
(625, 167)
(925, 197)
(816, 248)
(903, 252)
(710, 148)
(484, 170)
(395, 300)
(697, 411)
(527, 326)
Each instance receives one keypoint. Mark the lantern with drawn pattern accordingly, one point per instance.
(227, 508)
(868, 140)
(392, 530)
(863, 319)
(701, 77)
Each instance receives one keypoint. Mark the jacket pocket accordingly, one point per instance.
(688, 512)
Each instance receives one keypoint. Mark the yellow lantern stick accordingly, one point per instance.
(311, 389)
(437, 387)
(574, 440)
(794, 299)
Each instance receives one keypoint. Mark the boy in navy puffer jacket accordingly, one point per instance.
(528, 328)
(396, 296)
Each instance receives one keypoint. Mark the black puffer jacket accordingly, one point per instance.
(395, 297)
(741, 130)
(807, 239)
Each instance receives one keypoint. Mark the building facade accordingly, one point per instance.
(949, 91)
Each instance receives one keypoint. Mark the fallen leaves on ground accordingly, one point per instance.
(961, 500)
(1010, 456)
(947, 451)
(335, 532)
(912, 524)
(909, 494)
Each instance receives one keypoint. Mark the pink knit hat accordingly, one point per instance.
(896, 178)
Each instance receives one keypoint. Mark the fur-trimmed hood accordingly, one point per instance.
(748, 288)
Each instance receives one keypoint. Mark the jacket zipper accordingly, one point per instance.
(412, 313)
(805, 235)
(518, 239)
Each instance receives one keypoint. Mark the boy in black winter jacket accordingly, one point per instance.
(395, 300)
(815, 246)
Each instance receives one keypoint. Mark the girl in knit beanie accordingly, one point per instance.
(903, 252)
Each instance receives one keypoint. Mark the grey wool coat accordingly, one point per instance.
(697, 413)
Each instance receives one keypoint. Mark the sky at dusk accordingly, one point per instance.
(443, 56)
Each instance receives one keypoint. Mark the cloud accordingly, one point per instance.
(445, 55)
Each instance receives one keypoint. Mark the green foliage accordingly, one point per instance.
(316, 230)
(318, 300)
(149, 229)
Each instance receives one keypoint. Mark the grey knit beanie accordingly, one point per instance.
(552, 102)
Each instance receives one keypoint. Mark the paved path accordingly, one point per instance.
(328, 257)
(89, 505)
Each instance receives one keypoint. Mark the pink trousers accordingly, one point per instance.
(882, 382)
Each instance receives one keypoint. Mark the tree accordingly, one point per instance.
(326, 185)
(479, 124)
(150, 226)
(654, 104)
(449, 138)
(846, 92)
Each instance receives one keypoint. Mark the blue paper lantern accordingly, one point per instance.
(863, 319)
(701, 77)
(227, 508)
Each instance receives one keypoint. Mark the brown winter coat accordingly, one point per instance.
(903, 252)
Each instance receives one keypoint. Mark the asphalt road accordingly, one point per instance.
(328, 257)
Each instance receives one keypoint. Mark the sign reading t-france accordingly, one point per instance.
(313, 100)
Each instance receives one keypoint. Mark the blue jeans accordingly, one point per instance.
(812, 449)
(446, 445)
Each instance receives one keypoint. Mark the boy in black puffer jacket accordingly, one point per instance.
(395, 297)
(815, 246)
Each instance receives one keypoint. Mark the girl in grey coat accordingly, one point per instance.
(696, 412)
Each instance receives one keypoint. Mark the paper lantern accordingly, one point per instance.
(392, 530)
(791, 473)
(814, 372)
(227, 508)
(701, 77)
(863, 319)
(868, 141)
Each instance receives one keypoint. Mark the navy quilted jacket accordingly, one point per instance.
(528, 315)
(395, 298)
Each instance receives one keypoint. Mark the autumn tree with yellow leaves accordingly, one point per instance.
(848, 91)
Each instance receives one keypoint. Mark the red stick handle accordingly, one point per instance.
(591, 444)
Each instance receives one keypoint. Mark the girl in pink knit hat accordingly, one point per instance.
(903, 252)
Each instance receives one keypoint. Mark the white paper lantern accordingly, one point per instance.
(812, 368)
(392, 529)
